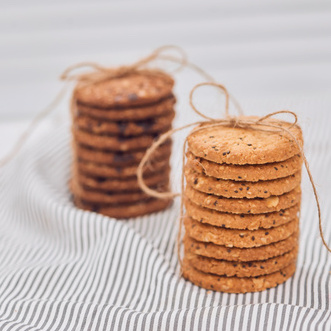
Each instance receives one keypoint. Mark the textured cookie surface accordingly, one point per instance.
(244, 206)
(242, 254)
(223, 144)
(134, 89)
(252, 173)
(240, 221)
(235, 189)
(239, 238)
(125, 210)
(125, 128)
(241, 269)
(236, 284)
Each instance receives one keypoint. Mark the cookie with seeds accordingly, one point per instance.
(256, 145)
(251, 173)
(244, 205)
(241, 269)
(135, 89)
(125, 128)
(239, 238)
(222, 252)
(235, 189)
(127, 210)
(236, 284)
(240, 221)
(118, 159)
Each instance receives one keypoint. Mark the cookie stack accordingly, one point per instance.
(242, 202)
(114, 123)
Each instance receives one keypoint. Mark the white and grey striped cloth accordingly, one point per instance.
(62, 268)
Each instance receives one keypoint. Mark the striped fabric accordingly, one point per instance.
(62, 268)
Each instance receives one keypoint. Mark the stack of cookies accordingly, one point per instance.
(242, 202)
(114, 123)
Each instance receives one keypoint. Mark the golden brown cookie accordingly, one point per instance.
(119, 159)
(236, 284)
(241, 221)
(103, 170)
(239, 238)
(244, 206)
(125, 210)
(242, 254)
(125, 128)
(235, 189)
(241, 269)
(237, 145)
(251, 173)
(129, 90)
(113, 143)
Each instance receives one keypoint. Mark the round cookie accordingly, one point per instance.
(251, 173)
(240, 221)
(236, 284)
(126, 210)
(242, 254)
(102, 170)
(125, 128)
(234, 145)
(244, 206)
(121, 185)
(121, 144)
(235, 189)
(241, 269)
(138, 88)
(119, 159)
(161, 108)
(239, 238)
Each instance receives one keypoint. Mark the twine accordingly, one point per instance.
(228, 121)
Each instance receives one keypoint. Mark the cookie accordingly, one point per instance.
(236, 284)
(251, 173)
(125, 210)
(125, 128)
(113, 143)
(102, 170)
(241, 221)
(234, 189)
(239, 238)
(234, 145)
(242, 254)
(161, 108)
(244, 206)
(241, 269)
(121, 185)
(134, 89)
(119, 159)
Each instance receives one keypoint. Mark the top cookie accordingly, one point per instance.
(131, 90)
(233, 145)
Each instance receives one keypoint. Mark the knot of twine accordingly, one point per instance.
(229, 121)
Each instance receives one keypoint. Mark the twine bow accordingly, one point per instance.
(229, 121)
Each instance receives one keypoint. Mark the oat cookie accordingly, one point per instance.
(240, 221)
(241, 269)
(235, 189)
(125, 210)
(125, 128)
(236, 284)
(242, 254)
(239, 238)
(223, 144)
(244, 206)
(251, 173)
(135, 89)
(118, 159)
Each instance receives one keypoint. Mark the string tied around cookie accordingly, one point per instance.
(260, 123)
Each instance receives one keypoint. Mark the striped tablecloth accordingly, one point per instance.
(62, 268)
